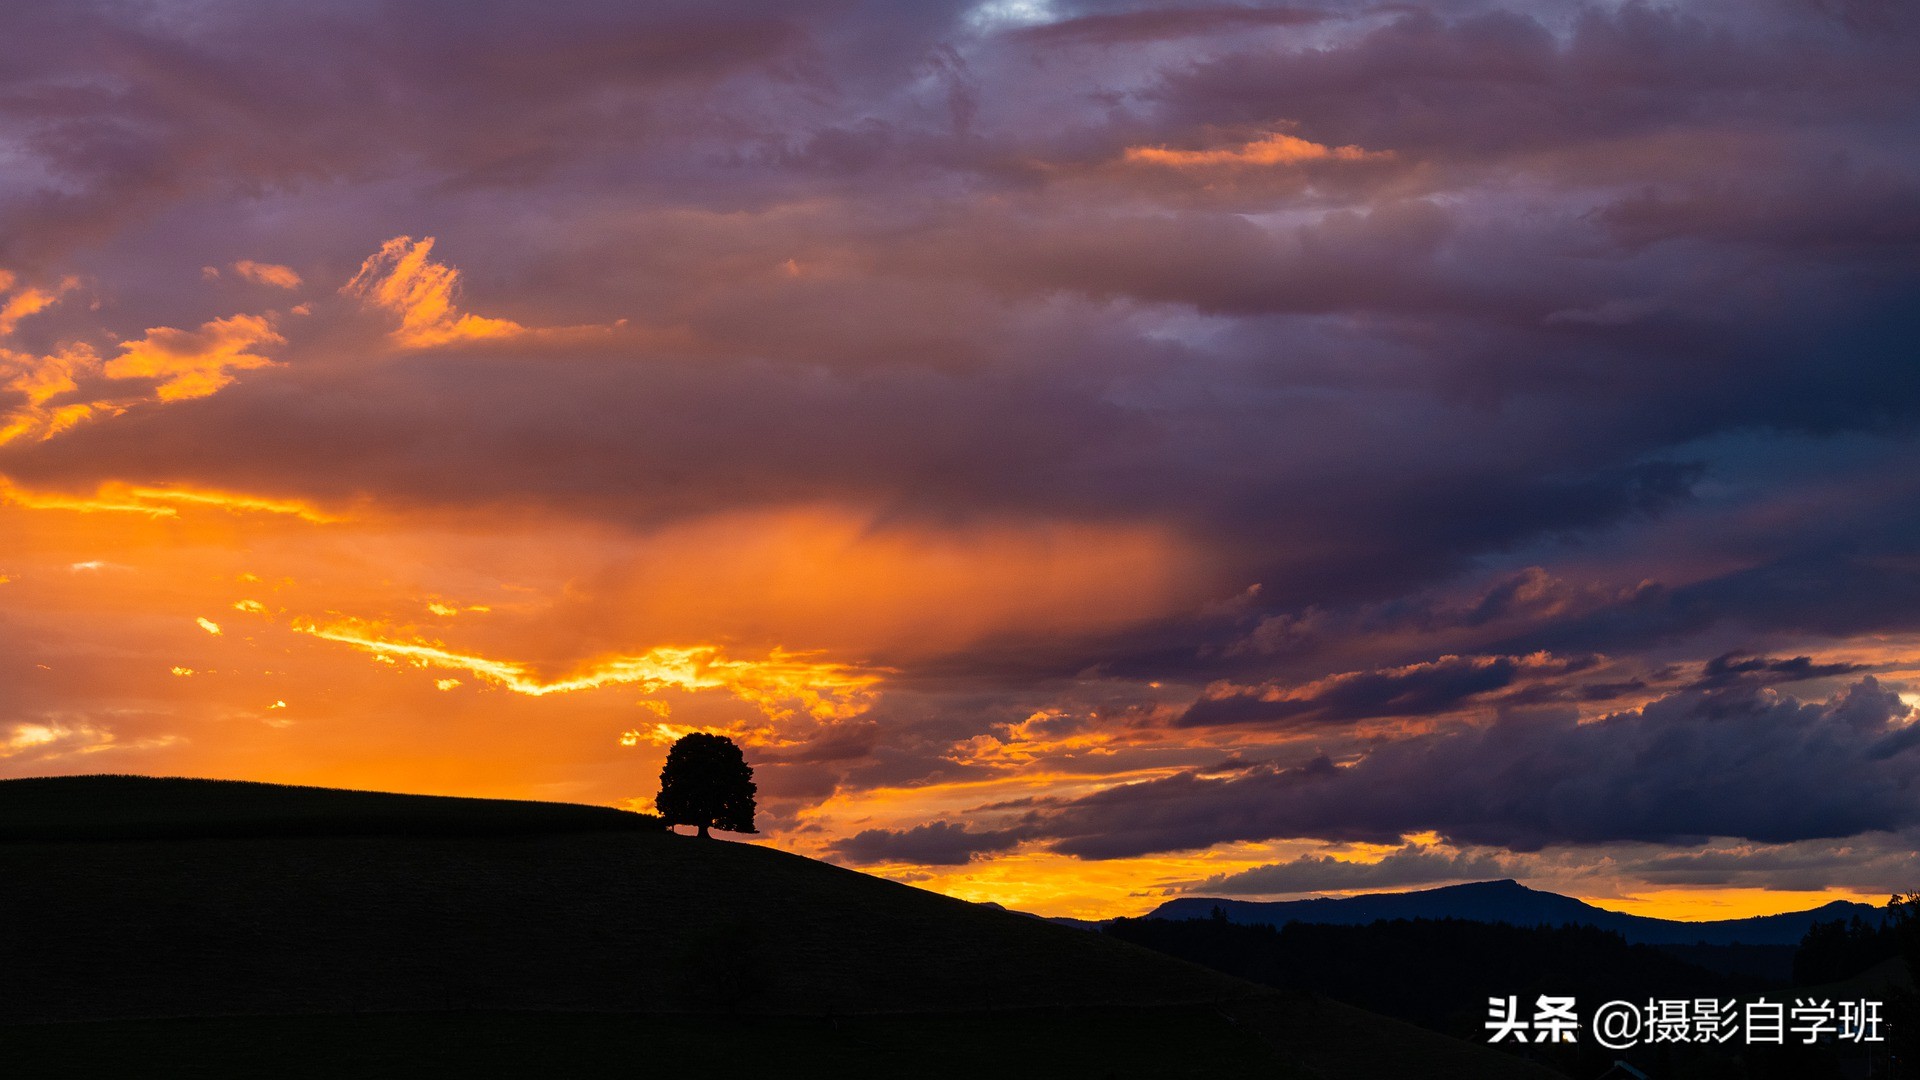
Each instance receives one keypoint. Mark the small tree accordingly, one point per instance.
(706, 782)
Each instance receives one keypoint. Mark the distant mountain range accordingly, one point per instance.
(1511, 902)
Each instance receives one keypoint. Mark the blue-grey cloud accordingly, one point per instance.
(1696, 764)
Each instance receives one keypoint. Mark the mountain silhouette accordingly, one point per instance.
(1508, 901)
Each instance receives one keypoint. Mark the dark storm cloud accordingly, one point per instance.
(1443, 686)
(1217, 263)
(580, 431)
(937, 843)
(127, 107)
(1499, 81)
(1156, 23)
(1526, 598)
(1826, 209)
(1719, 866)
(1732, 668)
(1751, 765)
(844, 742)
(1830, 591)
(898, 257)
(1886, 862)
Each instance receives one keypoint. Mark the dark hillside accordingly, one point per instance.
(175, 808)
(1444, 969)
(581, 920)
(319, 930)
(1172, 1043)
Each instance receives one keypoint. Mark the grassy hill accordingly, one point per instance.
(143, 920)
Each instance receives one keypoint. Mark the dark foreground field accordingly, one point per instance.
(1093, 1042)
(511, 950)
(1277, 1037)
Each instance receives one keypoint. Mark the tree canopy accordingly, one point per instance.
(707, 782)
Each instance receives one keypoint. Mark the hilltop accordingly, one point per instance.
(147, 922)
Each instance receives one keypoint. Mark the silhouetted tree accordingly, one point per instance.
(706, 782)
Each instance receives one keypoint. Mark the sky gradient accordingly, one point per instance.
(1085, 453)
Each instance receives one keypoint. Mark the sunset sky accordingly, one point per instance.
(1085, 453)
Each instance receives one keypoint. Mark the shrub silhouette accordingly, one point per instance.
(706, 782)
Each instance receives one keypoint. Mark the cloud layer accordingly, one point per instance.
(1221, 433)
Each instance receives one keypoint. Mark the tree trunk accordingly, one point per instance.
(704, 835)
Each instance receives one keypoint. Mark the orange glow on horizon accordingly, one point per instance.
(1041, 883)
(1704, 904)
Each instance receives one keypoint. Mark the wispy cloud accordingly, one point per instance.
(195, 363)
(121, 498)
(401, 279)
(780, 684)
(1272, 149)
(280, 277)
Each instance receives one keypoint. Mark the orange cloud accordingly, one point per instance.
(59, 738)
(99, 503)
(227, 500)
(38, 380)
(195, 363)
(280, 277)
(26, 302)
(153, 502)
(1275, 148)
(841, 579)
(778, 685)
(400, 278)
